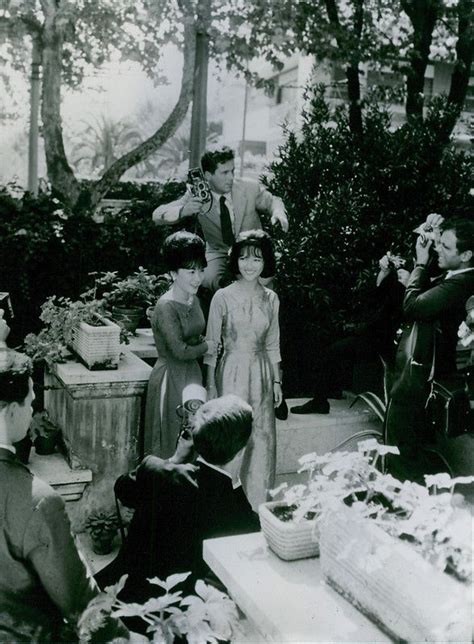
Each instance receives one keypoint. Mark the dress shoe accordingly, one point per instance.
(312, 407)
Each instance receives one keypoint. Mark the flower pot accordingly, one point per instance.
(23, 449)
(45, 445)
(128, 318)
(103, 545)
(288, 539)
(98, 347)
(390, 582)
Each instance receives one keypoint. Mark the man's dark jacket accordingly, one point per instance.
(443, 304)
(171, 520)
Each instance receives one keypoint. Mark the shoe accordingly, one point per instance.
(281, 412)
(312, 407)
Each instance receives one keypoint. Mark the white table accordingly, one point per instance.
(285, 601)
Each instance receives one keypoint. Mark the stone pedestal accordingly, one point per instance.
(100, 414)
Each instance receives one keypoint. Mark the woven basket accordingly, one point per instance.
(391, 583)
(97, 346)
(287, 539)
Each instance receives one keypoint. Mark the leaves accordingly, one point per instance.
(433, 523)
(208, 616)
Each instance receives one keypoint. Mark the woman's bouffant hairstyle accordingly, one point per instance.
(222, 427)
(183, 250)
(253, 239)
(14, 378)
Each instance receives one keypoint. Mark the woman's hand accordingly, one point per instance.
(277, 394)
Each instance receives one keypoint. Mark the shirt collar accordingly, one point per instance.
(10, 448)
(227, 195)
(235, 484)
(458, 271)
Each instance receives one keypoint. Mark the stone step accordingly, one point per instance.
(304, 433)
(54, 469)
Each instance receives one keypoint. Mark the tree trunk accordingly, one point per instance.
(464, 55)
(352, 69)
(59, 172)
(423, 15)
(201, 64)
(169, 127)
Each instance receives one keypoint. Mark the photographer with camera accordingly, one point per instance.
(224, 207)
(433, 311)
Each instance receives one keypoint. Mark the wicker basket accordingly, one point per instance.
(391, 583)
(98, 347)
(287, 539)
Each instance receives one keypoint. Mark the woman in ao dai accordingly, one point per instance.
(243, 355)
(177, 324)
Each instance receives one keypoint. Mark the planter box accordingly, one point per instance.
(287, 539)
(391, 583)
(97, 346)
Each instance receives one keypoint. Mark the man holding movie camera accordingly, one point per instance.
(224, 207)
(433, 311)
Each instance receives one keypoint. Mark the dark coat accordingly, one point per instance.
(444, 304)
(42, 577)
(171, 520)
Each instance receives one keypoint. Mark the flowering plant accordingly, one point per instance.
(429, 517)
(141, 289)
(208, 616)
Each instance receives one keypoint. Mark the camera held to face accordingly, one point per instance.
(427, 233)
(199, 186)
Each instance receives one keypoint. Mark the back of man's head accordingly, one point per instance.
(15, 371)
(464, 231)
(222, 428)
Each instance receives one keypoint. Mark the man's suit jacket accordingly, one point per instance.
(248, 199)
(442, 303)
(171, 519)
(42, 577)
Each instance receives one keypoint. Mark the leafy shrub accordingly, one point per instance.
(349, 201)
(49, 250)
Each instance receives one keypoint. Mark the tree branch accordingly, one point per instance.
(169, 127)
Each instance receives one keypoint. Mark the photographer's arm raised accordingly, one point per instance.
(185, 206)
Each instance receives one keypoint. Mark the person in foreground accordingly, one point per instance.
(177, 322)
(234, 207)
(243, 319)
(44, 583)
(179, 505)
(437, 308)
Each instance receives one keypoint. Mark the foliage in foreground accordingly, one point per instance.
(208, 616)
(427, 517)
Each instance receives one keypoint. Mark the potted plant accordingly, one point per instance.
(102, 527)
(290, 524)
(207, 616)
(43, 434)
(401, 552)
(79, 325)
(129, 297)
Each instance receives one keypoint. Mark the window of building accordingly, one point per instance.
(286, 86)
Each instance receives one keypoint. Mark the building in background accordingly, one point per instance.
(252, 120)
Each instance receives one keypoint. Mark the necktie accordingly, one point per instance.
(226, 224)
